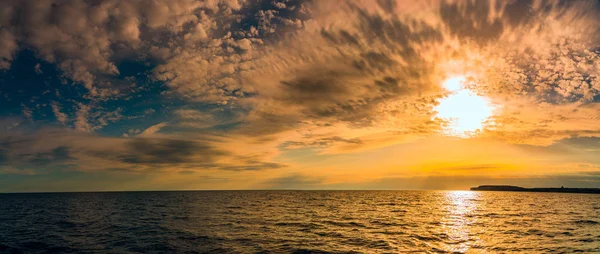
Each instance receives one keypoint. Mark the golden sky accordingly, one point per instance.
(298, 94)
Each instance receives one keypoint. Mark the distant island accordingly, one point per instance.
(521, 189)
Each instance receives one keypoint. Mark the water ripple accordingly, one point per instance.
(299, 222)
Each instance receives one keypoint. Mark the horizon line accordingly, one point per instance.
(225, 190)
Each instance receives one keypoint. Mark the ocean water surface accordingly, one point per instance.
(299, 222)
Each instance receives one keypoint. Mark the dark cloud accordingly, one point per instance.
(271, 19)
(148, 151)
(329, 94)
(294, 181)
(49, 150)
(252, 165)
(474, 167)
(16, 156)
(213, 179)
(317, 87)
(471, 19)
(57, 155)
(191, 155)
(322, 142)
(3, 156)
(361, 70)
(485, 21)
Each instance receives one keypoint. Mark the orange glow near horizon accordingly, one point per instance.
(440, 94)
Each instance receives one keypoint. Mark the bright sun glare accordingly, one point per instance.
(465, 111)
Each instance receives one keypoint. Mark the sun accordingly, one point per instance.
(465, 111)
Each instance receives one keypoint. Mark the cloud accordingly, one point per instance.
(153, 129)
(167, 151)
(303, 63)
(192, 118)
(473, 167)
(233, 84)
(89, 118)
(81, 122)
(253, 165)
(50, 149)
(527, 122)
(385, 66)
(40, 160)
(60, 116)
(294, 181)
(27, 112)
(85, 38)
(8, 47)
(209, 69)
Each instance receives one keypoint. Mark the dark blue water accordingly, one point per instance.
(299, 222)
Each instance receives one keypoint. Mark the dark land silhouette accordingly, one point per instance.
(521, 189)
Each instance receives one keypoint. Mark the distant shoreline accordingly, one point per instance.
(480, 188)
(521, 189)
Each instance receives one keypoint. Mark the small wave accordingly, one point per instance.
(9, 249)
(426, 238)
(493, 215)
(589, 222)
(313, 251)
(35, 245)
(586, 240)
(145, 218)
(153, 248)
(330, 234)
(61, 249)
(386, 204)
(299, 224)
(437, 250)
(269, 224)
(371, 244)
(513, 232)
(367, 210)
(192, 237)
(535, 232)
(390, 232)
(384, 223)
(442, 236)
(66, 224)
(351, 224)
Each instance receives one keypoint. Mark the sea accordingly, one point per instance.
(300, 222)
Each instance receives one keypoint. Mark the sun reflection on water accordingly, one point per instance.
(457, 220)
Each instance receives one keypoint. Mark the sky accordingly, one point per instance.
(102, 95)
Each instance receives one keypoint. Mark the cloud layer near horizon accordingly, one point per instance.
(235, 85)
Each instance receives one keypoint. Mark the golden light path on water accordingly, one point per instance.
(458, 220)
(465, 111)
